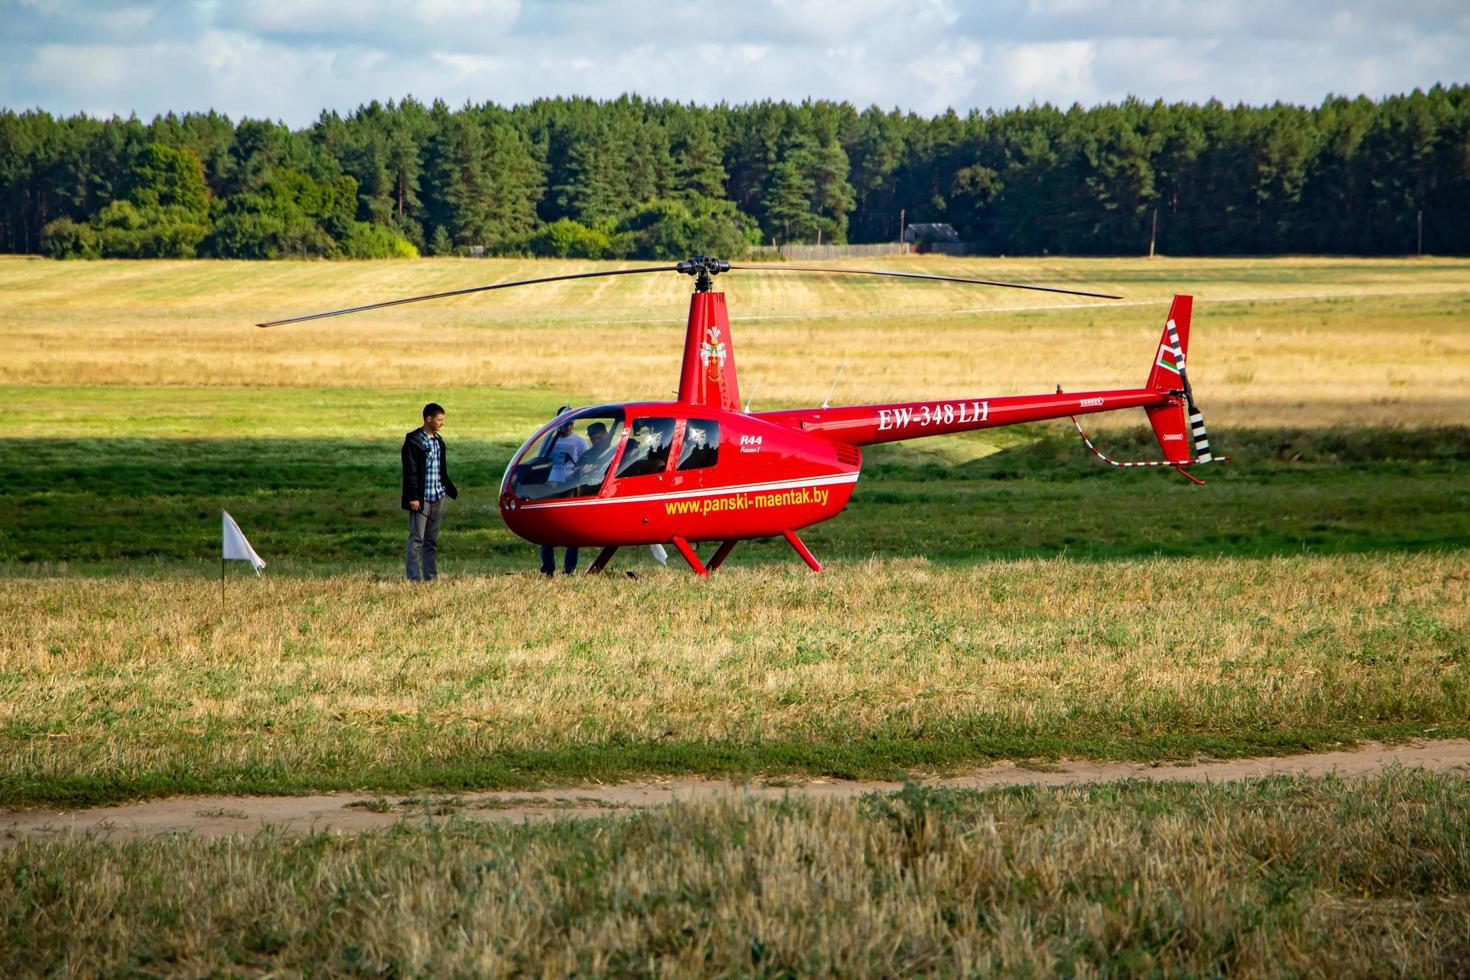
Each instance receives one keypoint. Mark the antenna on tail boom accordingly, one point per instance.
(827, 401)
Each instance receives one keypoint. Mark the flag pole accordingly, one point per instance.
(221, 585)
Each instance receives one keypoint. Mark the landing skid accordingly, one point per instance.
(718, 558)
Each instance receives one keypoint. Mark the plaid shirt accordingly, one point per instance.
(433, 481)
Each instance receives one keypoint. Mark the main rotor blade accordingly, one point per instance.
(470, 289)
(925, 275)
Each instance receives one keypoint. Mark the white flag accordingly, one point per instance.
(236, 547)
(659, 554)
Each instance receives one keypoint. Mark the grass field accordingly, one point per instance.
(999, 595)
(117, 688)
(984, 563)
(1275, 878)
(1278, 343)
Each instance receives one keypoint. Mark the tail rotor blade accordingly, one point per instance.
(471, 289)
(925, 275)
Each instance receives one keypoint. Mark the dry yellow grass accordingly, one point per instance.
(129, 678)
(1278, 342)
(1277, 878)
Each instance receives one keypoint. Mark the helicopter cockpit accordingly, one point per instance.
(570, 458)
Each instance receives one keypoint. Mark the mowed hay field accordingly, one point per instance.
(998, 595)
(1277, 342)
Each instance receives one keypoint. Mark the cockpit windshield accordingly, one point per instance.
(570, 460)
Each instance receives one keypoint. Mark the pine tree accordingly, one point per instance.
(698, 168)
(515, 183)
(832, 196)
(788, 215)
(458, 201)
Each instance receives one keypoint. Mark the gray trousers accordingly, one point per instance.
(423, 539)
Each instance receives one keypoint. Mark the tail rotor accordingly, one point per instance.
(1179, 425)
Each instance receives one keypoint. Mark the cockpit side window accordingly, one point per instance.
(649, 441)
(701, 445)
(570, 460)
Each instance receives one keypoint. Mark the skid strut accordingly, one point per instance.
(602, 559)
(718, 558)
(802, 550)
(691, 557)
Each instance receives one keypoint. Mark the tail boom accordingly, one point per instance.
(867, 425)
(1166, 399)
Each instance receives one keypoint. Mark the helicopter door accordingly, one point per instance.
(650, 442)
(701, 446)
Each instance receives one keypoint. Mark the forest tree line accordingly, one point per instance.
(640, 178)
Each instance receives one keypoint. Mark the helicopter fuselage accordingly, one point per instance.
(762, 479)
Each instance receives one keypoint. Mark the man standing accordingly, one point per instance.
(426, 483)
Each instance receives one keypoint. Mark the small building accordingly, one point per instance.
(930, 233)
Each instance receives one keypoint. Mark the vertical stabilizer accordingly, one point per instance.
(1176, 419)
(1170, 425)
(708, 373)
(1167, 373)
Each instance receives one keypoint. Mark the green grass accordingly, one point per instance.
(106, 412)
(101, 480)
(1275, 877)
(900, 752)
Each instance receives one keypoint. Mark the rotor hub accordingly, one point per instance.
(703, 268)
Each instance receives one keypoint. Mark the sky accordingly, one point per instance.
(291, 60)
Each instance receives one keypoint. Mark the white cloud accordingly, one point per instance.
(947, 76)
(1064, 8)
(1059, 72)
(471, 64)
(90, 67)
(127, 20)
(292, 59)
(1172, 69)
(332, 18)
(470, 25)
(825, 22)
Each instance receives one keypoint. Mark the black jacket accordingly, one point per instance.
(415, 465)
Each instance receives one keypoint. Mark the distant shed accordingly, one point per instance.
(930, 233)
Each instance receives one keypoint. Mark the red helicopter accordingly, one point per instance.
(701, 469)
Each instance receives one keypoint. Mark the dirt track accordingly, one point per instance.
(215, 816)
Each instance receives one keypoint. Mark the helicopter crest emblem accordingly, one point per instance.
(712, 353)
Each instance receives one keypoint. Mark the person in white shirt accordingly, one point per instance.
(566, 448)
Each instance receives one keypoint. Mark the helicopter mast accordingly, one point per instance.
(707, 373)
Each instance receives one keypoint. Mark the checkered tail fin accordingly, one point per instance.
(1180, 428)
